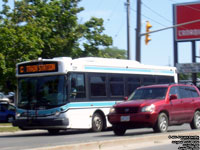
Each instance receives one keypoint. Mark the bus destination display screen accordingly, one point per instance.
(38, 67)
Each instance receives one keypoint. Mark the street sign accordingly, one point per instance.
(188, 67)
(183, 13)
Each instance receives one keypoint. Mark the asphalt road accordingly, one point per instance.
(37, 139)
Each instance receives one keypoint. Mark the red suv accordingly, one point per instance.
(157, 106)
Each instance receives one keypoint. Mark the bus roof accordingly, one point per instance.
(97, 64)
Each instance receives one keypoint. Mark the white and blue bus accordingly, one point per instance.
(64, 93)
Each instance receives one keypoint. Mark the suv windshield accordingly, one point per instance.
(149, 93)
(46, 92)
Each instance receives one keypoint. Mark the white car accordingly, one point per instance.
(3, 97)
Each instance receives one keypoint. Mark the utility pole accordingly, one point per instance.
(138, 30)
(128, 30)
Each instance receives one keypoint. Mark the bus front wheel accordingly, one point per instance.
(53, 131)
(97, 122)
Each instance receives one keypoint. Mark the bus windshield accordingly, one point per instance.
(42, 92)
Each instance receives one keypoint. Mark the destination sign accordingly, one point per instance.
(38, 67)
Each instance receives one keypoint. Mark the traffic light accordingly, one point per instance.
(148, 26)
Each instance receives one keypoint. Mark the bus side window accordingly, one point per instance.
(77, 89)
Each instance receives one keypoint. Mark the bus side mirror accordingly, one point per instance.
(174, 96)
(125, 98)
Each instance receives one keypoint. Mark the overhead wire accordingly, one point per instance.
(112, 13)
(156, 13)
(120, 28)
(150, 18)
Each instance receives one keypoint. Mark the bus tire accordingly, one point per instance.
(53, 131)
(97, 122)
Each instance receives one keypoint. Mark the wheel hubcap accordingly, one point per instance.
(163, 124)
(97, 122)
(197, 118)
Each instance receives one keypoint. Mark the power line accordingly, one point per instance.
(156, 13)
(111, 14)
(120, 28)
(150, 18)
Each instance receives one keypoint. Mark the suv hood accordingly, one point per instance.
(137, 103)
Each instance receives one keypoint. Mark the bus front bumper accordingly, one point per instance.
(61, 123)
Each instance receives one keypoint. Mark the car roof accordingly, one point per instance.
(165, 85)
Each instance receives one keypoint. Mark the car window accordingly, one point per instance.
(194, 92)
(149, 93)
(185, 92)
(12, 108)
(174, 91)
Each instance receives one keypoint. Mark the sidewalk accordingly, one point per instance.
(125, 143)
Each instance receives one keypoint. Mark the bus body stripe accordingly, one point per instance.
(129, 69)
(68, 106)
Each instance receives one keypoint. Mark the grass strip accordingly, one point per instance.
(5, 124)
(9, 129)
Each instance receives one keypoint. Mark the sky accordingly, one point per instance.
(159, 13)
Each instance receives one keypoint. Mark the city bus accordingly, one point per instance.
(64, 93)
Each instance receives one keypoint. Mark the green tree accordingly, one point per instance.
(45, 28)
(113, 52)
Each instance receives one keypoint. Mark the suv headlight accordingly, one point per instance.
(150, 108)
(112, 110)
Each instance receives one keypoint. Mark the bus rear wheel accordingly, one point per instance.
(98, 122)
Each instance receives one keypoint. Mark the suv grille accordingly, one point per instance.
(127, 110)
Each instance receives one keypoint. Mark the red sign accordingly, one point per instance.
(185, 13)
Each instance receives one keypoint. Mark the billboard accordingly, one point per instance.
(186, 13)
(188, 67)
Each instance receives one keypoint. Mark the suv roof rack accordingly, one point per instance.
(186, 83)
(172, 83)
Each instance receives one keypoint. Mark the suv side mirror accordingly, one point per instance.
(125, 98)
(173, 96)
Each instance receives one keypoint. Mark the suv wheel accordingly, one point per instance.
(162, 123)
(195, 124)
(119, 130)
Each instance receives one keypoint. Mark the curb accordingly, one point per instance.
(122, 143)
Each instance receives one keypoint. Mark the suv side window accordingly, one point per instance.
(194, 92)
(185, 92)
(174, 91)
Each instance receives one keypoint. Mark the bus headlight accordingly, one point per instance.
(18, 115)
(150, 108)
(112, 110)
(57, 113)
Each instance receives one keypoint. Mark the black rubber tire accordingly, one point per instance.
(195, 124)
(53, 131)
(161, 124)
(98, 122)
(119, 130)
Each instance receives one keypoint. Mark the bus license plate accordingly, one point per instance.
(125, 118)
